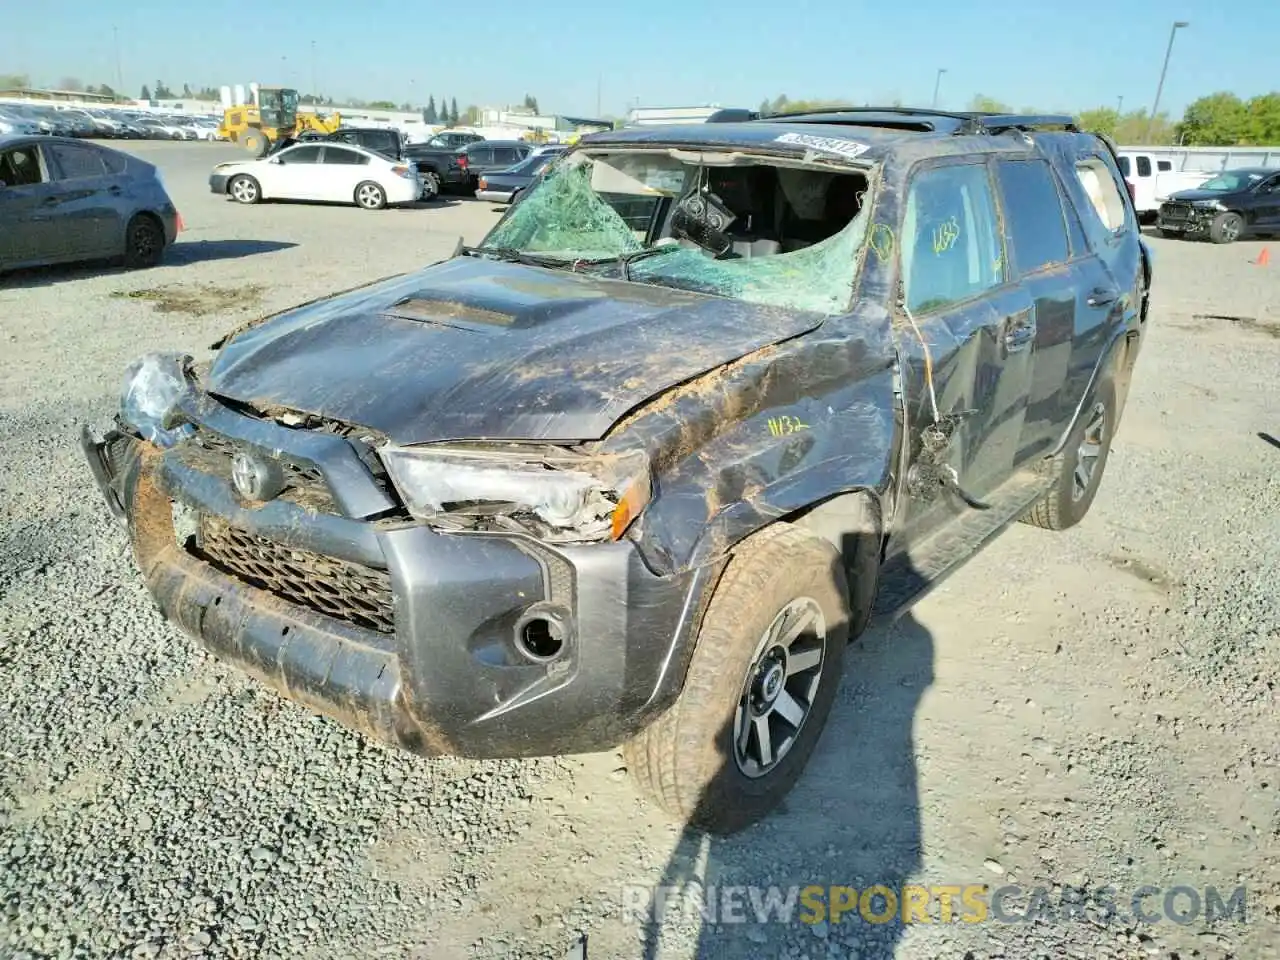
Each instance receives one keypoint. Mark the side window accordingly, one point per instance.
(1032, 214)
(482, 156)
(1104, 196)
(1144, 166)
(341, 156)
(117, 163)
(1270, 186)
(505, 155)
(1125, 168)
(301, 155)
(951, 249)
(20, 167)
(76, 162)
(1164, 166)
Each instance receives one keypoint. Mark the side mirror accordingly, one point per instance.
(274, 160)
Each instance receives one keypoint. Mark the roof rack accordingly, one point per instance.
(942, 121)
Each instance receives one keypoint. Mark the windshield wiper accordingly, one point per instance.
(512, 255)
(624, 260)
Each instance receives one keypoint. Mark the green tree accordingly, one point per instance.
(453, 111)
(430, 115)
(764, 107)
(471, 115)
(382, 104)
(70, 83)
(531, 103)
(106, 91)
(981, 103)
(1103, 120)
(1137, 128)
(14, 81)
(186, 91)
(145, 94)
(163, 92)
(1218, 120)
(1264, 120)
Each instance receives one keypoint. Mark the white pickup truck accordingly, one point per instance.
(1151, 179)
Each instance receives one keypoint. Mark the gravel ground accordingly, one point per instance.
(1090, 708)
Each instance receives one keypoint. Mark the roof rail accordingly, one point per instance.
(968, 122)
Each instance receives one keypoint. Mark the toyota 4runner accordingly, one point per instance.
(637, 467)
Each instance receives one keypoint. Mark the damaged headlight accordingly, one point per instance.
(1209, 205)
(550, 493)
(153, 385)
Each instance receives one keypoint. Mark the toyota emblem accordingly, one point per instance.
(256, 478)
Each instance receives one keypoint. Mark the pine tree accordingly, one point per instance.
(453, 111)
(431, 116)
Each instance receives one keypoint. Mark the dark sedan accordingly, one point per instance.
(64, 200)
(1231, 206)
(503, 186)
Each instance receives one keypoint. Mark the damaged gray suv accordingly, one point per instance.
(636, 468)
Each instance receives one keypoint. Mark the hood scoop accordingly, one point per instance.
(448, 313)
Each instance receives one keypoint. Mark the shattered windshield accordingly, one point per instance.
(748, 228)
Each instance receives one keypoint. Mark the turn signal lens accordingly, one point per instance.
(629, 507)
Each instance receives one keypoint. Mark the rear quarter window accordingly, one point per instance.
(1106, 206)
(77, 162)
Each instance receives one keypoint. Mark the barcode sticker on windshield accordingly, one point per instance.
(845, 148)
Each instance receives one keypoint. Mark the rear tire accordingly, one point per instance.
(244, 189)
(143, 242)
(1080, 466)
(370, 196)
(432, 182)
(1226, 228)
(704, 760)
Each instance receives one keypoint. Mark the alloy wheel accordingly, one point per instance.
(1089, 452)
(780, 687)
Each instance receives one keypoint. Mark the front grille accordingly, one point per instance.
(212, 453)
(1176, 211)
(345, 591)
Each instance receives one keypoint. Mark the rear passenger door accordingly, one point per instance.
(340, 171)
(1106, 270)
(87, 218)
(1040, 256)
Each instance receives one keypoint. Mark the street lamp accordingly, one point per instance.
(1120, 105)
(115, 33)
(937, 83)
(1155, 107)
(315, 90)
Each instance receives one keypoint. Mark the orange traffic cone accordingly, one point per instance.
(1263, 258)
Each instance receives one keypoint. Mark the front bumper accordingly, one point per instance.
(218, 183)
(448, 677)
(495, 196)
(1195, 222)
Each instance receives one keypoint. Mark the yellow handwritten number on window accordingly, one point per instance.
(945, 235)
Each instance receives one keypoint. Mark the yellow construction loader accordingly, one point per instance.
(273, 118)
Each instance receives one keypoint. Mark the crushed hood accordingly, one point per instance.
(478, 349)
(1195, 193)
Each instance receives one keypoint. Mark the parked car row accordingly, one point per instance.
(102, 122)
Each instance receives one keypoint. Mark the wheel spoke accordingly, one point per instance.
(793, 627)
(804, 660)
(764, 741)
(789, 709)
(1081, 476)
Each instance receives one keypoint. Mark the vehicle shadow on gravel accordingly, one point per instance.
(852, 822)
(180, 254)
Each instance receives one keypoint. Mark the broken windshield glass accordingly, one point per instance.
(786, 235)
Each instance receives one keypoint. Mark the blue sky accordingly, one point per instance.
(661, 52)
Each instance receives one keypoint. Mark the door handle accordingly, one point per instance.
(115, 191)
(1100, 297)
(1019, 331)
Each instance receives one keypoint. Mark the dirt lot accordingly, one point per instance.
(1093, 708)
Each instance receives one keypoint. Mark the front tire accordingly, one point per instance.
(759, 686)
(1226, 228)
(244, 189)
(256, 142)
(370, 196)
(1080, 466)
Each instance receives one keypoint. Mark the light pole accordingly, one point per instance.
(115, 35)
(1155, 107)
(315, 89)
(1120, 105)
(937, 84)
